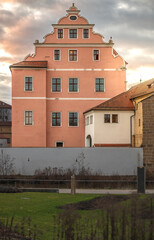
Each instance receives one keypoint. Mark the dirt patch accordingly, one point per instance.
(97, 203)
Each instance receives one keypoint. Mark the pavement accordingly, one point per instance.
(106, 191)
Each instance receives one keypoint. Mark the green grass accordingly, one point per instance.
(40, 207)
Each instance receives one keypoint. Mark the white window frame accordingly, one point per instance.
(95, 85)
(25, 84)
(60, 119)
(99, 55)
(32, 117)
(59, 55)
(69, 55)
(60, 85)
(88, 34)
(91, 119)
(77, 85)
(75, 19)
(63, 33)
(77, 117)
(69, 33)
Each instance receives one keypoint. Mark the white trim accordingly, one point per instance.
(77, 119)
(44, 98)
(95, 85)
(60, 119)
(54, 55)
(60, 85)
(73, 16)
(32, 118)
(76, 33)
(25, 84)
(69, 55)
(60, 26)
(57, 33)
(77, 85)
(95, 45)
(83, 33)
(83, 69)
(99, 57)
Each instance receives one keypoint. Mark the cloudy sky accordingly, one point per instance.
(130, 23)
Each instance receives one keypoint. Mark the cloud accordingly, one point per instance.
(5, 88)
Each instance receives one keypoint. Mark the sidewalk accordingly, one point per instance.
(105, 191)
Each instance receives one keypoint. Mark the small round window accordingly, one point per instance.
(73, 17)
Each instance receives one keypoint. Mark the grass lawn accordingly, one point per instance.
(40, 207)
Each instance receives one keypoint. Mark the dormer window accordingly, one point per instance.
(73, 33)
(60, 33)
(73, 18)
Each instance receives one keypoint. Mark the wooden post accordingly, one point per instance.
(73, 185)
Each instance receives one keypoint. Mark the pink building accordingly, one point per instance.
(70, 72)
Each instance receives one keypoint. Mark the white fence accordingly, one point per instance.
(108, 161)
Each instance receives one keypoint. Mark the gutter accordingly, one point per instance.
(131, 117)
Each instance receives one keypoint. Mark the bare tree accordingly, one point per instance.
(6, 164)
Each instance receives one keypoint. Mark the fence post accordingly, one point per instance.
(141, 180)
(73, 185)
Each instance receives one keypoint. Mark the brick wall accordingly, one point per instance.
(148, 133)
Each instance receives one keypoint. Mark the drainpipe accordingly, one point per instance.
(131, 129)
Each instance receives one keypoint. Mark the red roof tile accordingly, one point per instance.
(143, 88)
(120, 102)
(30, 64)
(4, 105)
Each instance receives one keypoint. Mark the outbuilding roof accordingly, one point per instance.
(120, 102)
(143, 88)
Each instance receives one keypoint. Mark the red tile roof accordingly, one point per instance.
(120, 102)
(143, 88)
(30, 64)
(4, 105)
(2, 136)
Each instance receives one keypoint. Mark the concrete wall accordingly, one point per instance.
(122, 161)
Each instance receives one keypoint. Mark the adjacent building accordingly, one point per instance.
(5, 124)
(72, 71)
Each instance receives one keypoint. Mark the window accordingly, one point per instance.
(56, 85)
(28, 84)
(56, 54)
(114, 118)
(8, 140)
(59, 144)
(73, 18)
(139, 122)
(85, 33)
(56, 119)
(107, 118)
(28, 117)
(87, 120)
(73, 33)
(72, 55)
(60, 33)
(73, 119)
(99, 84)
(91, 119)
(73, 84)
(96, 55)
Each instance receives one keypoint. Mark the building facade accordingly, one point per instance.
(5, 124)
(73, 70)
(110, 124)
